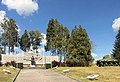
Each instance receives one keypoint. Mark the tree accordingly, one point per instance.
(116, 51)
(51, 35)
(79, 45)
(10, 35)
(25, 41)
(65, 38)
(56, 37)
(0, 53)
(35, 38)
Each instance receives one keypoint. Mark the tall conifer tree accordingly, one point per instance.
(25, 41)
(116, 50)
(79, 45)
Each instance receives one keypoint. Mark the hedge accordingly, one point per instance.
(47, 65)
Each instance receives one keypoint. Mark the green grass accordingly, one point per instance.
(7, 77)
(106, 74)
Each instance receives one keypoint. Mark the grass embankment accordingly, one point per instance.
(106, 74)
(8, 77)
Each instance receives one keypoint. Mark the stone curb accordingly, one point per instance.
(16, 76)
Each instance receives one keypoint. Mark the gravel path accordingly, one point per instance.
(41, 75)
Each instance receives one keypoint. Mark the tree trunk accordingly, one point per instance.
(64, 57)
(9, 50)
(4, 49)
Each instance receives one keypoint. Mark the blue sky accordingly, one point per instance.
(96, 16)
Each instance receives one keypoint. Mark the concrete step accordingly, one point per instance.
(34, 68)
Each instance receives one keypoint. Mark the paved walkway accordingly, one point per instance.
(41, 75)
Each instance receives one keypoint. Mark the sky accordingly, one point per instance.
(100, 18)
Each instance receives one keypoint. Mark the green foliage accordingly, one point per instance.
(35, 38)
(13, 63)
(47, 65)
(79, 45)
(116, 50)
(32, 38)
(76, 47)
(20, 65)
(57, 37)
(51, 35)
(55, 63)
(10, 35)
(25, 41)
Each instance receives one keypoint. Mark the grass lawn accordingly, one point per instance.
(7, 77)
(106, 74)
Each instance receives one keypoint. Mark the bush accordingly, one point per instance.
(7, 64)
(62, 64)
(55, 63)
(13, 63)
(81, 64)
(1, 64)
(33, 63)
(47, 66)
(20, 65)
(69, 63)
(76, 64)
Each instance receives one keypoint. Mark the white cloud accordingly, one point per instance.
(22, 7)
(116, 24)
(44, 39)
(94, 55)
(2, 16)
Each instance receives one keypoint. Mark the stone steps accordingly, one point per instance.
(34, 68)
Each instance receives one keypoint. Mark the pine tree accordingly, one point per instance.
(57, 36)
(79, 45)
(65, 38)
(51, 36)
(25, 41)
(116, 50)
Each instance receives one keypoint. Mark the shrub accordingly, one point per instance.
(69, 63)
(7, 64)
(55, 63)
(20, 65)
(86, 63)
(81, 64)
(47, 66)
(1, 64)
(62, 64)
(33, 63)
(13, 63)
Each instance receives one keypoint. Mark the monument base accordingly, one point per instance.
(32, 66)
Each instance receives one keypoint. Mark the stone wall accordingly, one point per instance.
(26, 58)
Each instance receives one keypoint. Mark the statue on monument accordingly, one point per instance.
(32, 60)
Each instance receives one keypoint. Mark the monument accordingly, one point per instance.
(30, 59)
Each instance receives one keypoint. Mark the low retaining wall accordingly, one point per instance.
(26, 59)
